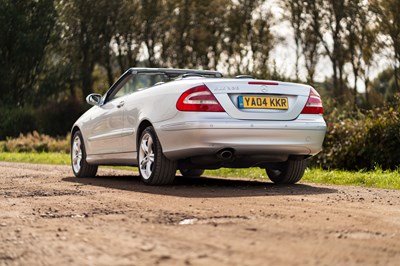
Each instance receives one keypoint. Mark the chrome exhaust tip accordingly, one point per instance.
(225, 154)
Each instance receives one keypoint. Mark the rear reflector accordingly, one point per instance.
(314, 104)
(198, 99)
(263, 83)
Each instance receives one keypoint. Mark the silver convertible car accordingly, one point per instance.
(162, 120)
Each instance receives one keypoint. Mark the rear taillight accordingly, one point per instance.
(198, 99)
(314, 104)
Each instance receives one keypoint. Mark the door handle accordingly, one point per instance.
(121, 104)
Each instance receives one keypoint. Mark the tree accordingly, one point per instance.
(295, 9)
(193, 35)
(247, 40)
(261, 42)
(153, 21)
(107, 33)
(304, 18)
(127, 38)
(329, 26)
(177, 34)
(207, 26)
(238, 27)
(388, 15)
(26, 29)
(361, 42)
(86, 35)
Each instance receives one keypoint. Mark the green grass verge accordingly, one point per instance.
(40, 158)
(377, 178)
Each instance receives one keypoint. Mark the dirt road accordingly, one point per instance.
(48, 217)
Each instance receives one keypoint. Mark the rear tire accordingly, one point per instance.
(191, 172)
(289, 172)
(154, 167)
(80, 166)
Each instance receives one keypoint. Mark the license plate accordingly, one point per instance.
(263, 102)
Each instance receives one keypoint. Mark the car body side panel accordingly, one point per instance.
(101, 127)
(155, 105)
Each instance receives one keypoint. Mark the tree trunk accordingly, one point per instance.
(297, 42)
(120, 58)
(366, 83)
(355, 88)
(109, 70)
(335, 80)
(396, 75)
(341, 96)
(86, 78)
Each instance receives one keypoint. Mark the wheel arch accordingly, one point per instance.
(74, 129)
(142, 126)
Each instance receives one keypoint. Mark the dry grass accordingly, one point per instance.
(35, 142)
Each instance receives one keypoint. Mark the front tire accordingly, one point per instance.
(289, 172)
(154, 167)
(80, 166)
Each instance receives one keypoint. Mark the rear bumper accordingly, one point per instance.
(181, 140)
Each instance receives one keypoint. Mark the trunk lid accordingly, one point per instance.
(252, 99)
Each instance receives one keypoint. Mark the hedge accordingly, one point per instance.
(54, 119)
(362, 140)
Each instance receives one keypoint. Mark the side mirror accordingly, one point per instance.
(93, 99)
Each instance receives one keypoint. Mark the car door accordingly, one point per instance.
(134, 103)
(107, 122)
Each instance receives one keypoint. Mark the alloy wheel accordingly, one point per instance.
(146, 156)
(76, 154)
